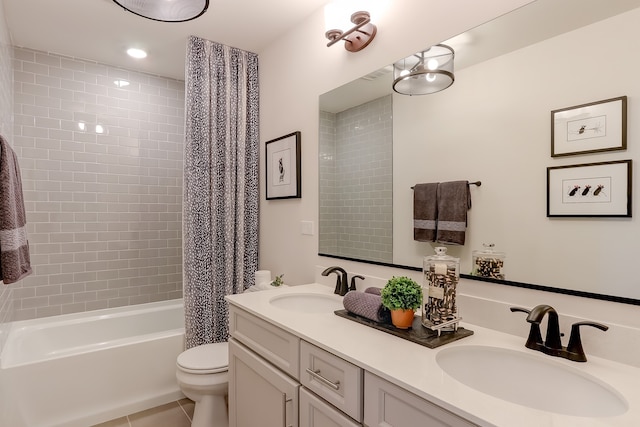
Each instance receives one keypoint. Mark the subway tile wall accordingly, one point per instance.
(328, 242)
(6, 129)
(102, 178)
(356, 206)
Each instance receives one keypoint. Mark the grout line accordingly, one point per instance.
(184, 411)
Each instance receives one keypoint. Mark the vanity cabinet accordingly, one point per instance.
(263, 373)
(332, 378)
(315, 412)
(278, 379)
(259, 394)
(386, 404)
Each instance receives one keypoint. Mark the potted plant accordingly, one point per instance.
(402, 296)
(277, 281)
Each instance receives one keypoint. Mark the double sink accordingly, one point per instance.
(523, 377)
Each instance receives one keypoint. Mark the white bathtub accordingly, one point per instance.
(85, 368)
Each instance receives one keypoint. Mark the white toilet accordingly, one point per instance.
(202, 376)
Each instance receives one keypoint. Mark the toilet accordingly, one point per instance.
(202, 376)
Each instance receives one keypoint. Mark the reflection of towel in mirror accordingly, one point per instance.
(366, 305)
(454, 200)
(425, 211)
(15, 261)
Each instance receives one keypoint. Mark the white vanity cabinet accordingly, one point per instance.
(278, 379)
(315, 412)
(333, 379)
(263, 373)
(387, 405)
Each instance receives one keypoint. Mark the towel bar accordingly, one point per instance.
(478, 183)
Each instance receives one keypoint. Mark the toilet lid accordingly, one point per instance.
(205, 359)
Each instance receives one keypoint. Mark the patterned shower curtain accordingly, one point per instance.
(220, 205)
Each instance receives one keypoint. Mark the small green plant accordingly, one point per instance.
(401, 293)
(277, 281)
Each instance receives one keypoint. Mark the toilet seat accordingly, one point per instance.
(205, 359)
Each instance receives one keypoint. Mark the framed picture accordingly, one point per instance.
(589, 128)
(283, 167)
(590, 190)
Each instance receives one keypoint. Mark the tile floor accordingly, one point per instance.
(174, 414)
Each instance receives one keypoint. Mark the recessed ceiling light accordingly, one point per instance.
(137, 53)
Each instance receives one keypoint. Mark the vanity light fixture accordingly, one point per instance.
(358, 37)
(165, 10)
(425, 72)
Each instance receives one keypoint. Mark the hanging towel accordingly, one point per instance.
(425, 212)
(454, 200)
(15, 261)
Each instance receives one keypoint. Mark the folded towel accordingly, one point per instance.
(366, 305)
(15, 261)
(425, 212)
(454, 200)
(373, 290)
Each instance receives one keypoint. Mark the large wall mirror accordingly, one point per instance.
(492, 125)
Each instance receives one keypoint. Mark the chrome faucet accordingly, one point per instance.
(342, 281)
(552, 344)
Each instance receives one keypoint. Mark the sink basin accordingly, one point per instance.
(531, 380)
(308, 302)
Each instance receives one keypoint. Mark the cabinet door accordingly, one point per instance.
(259, 394)
(314, 412)
(387, 405)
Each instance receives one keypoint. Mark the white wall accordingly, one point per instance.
(494, 125)
(298, 68)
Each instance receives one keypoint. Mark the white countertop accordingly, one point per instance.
(414, 367)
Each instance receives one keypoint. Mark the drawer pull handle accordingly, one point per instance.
(316, 375)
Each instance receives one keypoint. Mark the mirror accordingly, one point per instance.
(494, 125)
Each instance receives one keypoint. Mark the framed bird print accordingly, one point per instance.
(283, 175)
(590, 190)
(589, 128)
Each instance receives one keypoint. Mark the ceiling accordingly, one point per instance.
(507, 33)
(101, 31)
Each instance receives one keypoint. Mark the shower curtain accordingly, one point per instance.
(220, 202)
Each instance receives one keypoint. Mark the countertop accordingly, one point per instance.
(414, 367)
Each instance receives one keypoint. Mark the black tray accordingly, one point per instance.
(416, 333)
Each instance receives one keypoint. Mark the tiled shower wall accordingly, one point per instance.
(356, 206)
(102, 179)
(6, 129)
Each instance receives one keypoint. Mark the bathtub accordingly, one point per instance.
(85, 368)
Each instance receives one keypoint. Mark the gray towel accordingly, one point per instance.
(454, 200)
(15, 262)
(366, 305)
(373, 290)
(425, 212)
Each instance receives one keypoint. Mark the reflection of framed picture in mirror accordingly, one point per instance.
(590, 190)
(589, 128)
(283, 176)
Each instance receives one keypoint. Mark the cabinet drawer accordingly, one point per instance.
(315, 412)
(387, 405)
(279, 347)
(332, 378)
